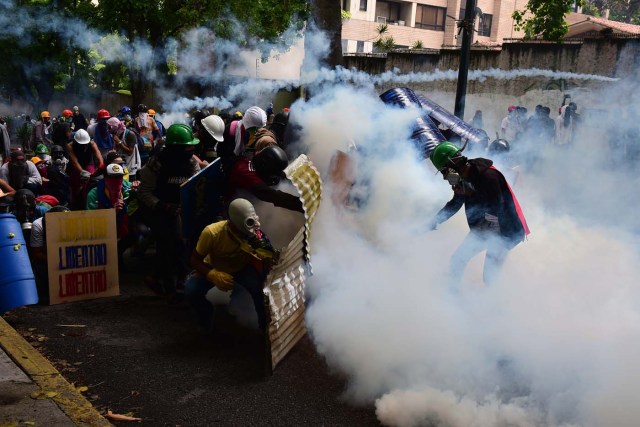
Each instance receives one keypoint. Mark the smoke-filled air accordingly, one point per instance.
(554, 342)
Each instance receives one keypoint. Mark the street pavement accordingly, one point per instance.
(141, 356)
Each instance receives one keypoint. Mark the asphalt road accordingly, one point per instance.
(138, 354)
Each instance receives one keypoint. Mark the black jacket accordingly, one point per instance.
(489, 193)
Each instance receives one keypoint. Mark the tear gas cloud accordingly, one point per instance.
(551, 344)
(554, 343)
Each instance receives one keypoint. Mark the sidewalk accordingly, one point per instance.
(32, 391)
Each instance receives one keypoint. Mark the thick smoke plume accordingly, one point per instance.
(552, 344)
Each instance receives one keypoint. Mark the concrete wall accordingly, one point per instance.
(604, 57)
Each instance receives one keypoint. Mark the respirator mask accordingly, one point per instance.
(452, 177)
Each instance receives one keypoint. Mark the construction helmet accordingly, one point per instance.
(82, 137)
(180, 134)
(152, 112)
(42, 149)
(498, 146)
(215, 126)
(125, 110)
(443, 153)
(103, 114)
(142, 108)
(45, 114)
(269, 164)
(67, 113)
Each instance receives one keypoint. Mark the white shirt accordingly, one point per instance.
(37, 234)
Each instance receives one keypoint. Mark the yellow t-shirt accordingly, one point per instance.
(220, 249)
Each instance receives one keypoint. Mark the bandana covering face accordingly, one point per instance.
(113, 188)
(18, 173)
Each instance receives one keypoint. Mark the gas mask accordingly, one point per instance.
(453, 177)
(243, 216)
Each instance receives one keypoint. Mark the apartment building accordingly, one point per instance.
(432, 22)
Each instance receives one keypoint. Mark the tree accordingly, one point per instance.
(544, 18)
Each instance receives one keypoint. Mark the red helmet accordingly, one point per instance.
(67, 113)
(511, 108)
(103, 114)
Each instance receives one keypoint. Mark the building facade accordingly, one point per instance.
(430, 22)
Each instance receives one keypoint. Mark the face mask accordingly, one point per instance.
(251, 225)
(453, 177)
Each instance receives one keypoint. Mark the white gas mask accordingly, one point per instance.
(243, 216)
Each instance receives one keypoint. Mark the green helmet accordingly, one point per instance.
(42, 149)
(180, 134)
(443, 153)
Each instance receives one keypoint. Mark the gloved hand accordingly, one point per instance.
(222, 280)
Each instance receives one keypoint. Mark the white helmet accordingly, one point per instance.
(215, 126)
(254, 117)
(82, 137)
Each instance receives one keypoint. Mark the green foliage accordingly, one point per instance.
(384, 44)
(544, 18)
(345, 14)
(417, 45)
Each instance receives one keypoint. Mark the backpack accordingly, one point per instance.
(144, 144)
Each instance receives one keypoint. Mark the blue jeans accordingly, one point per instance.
(196, 289)
(475, 242)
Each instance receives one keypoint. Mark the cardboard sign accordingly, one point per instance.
(82, 255)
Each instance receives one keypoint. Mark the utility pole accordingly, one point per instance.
(465, 53)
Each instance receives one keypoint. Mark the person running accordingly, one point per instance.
(493, 213)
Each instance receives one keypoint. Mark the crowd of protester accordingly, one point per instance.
(131, 163)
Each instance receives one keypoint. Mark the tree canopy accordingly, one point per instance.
(64, 44)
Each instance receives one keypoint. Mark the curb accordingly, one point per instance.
(42, 373)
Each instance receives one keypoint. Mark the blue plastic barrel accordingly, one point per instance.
(425, 134)
(17, 282)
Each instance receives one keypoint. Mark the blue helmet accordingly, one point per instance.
(125, 110)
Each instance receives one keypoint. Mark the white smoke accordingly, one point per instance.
(551, 344)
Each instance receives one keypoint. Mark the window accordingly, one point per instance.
(484, 26)
(388, 10)
(345, 5)
(345, 45)
(360, 47)
(430, 17)
(363, 5)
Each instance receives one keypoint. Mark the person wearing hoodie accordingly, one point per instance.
(495, 220)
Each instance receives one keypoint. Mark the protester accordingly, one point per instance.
(126, 143)
(112, 192)
(79, 120)
(5, 141)
(159, 192)
(85, 160)
(21, 173)
(253, 119)
(256, 178)
(101, 135)
(510, 126)
(6, 191)
(210, 132)
(566, 124)
(157, 135)
(41, 132)
(58, 184)
(494, 216)
(230, 253)
(145, 125)
(38, 252)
